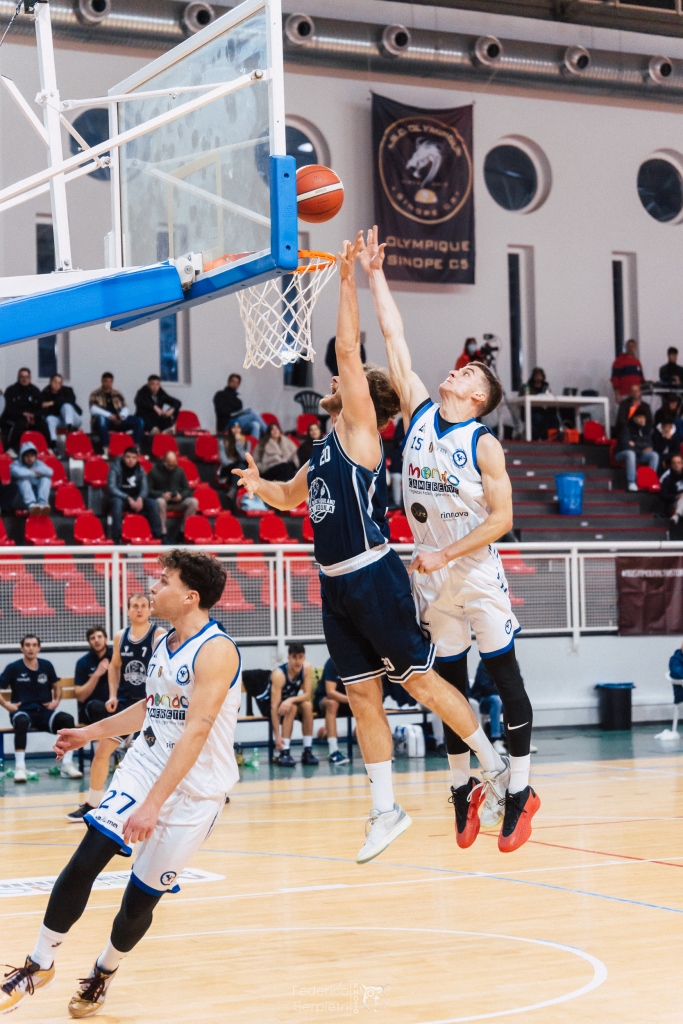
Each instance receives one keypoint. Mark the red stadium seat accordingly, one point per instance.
(206, 448)
(136, 530)
(95, 473)
(162, 443)
(301, 566)
(78, 445)
(57, 467)
(252, 513)
(647, 480)
(69, 500)
(251, 441)
(188, 423)
(12, 568)
(88, 530)
(300, 511)
(594, 433)
(228, 530)
(145, 463)
(28, 599)
(40, 530)
(232, 599)
(190, 470)
(313, 595)
(80, 597)
(5, 475)
(307, 530)
(516, 602)
(5, 542)
(208, 500)
(198, 530)
(399, 529)
(270, 417)
(36, 438)
(268, 601)
(304, 421)
(252, 565)
(515, 564)
(2, 447)
(273, 530)
(60, 567)
(119, 442)
(387, 433)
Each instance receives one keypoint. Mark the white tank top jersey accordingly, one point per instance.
(442, 490)
(170, 684)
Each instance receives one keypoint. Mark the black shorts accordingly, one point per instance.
(264, 707)
(39, 718)
(370, 623)
(91, 711)
(343, 710)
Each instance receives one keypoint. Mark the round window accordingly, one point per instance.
(93, 126)
(511, 177)
(660, 189)
(303, 141)
(300, 146)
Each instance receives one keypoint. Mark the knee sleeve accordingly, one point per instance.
(455, 673)
(62, 720)
(134, 918)
(71, 891)
(21, 726)
(95, 711)
(517, 709)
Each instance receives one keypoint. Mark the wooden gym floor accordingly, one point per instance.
(581, 925)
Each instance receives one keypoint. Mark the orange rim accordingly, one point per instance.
(326, 260)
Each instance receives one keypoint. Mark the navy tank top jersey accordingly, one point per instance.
(290, 687)
(347, 505)
(135, 657)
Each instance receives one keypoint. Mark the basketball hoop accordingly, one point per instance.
(277, 313)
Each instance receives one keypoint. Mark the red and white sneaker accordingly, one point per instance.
(519, 810)
(467, 800)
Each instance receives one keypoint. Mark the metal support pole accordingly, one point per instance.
(280, 602)
(116, 591)
(51, 117)
(576, 598)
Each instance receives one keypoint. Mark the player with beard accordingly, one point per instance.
(368, 610)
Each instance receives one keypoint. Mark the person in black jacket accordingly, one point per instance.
(155, 407)
(635, 447)
(229, 410)
(59, 406)
(671, 373)
(667, 442)
(23, 410)
(672, 488)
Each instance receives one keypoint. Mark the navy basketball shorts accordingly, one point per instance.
(38, 716)
(370, 623)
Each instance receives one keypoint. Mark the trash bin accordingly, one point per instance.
(614, 705)
(570, 493)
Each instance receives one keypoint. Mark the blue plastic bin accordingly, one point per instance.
(570, 493)
(614, 705)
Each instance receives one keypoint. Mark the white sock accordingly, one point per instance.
(94, 796)
(110, 959)
(48, 942)
(519, 773)
(333, 744)
(381, 785)
(479, 742)
(68, 757)
(20, 759)
(285, 743)
(308, 741)
(460, 769)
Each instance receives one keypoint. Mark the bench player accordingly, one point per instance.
(368, 610)
(458, 500)
(288, 696)
(169, 789)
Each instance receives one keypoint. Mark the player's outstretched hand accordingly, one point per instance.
(348, 256)
(140, 825)
(371, 255)
(248, 478)
(428, 561)
(69, 739)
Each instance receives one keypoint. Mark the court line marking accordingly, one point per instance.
(601, 853)
(599, 968)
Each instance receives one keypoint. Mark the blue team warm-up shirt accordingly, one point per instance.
(29, 686)
(85, 667)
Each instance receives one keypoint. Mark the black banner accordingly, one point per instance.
(650, 595)
(424, 200)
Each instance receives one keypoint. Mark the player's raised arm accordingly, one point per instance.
(359, 414)
(405, 381)
(279, 495)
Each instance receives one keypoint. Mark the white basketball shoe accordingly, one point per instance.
(381, 830)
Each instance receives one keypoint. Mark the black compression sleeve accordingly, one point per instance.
(134, 917)
(71, 891)
(455, 673)
(519, 716)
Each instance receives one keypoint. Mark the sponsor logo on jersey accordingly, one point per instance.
(182, 675)
(459, 458)
(150, 738)
(320, 503)
(168, 877)
(42, 678)
(418, 512)
(166, 707)
(135, 673)
(454, 515)
(426, 478)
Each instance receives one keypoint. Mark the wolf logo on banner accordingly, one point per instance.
(423, 191)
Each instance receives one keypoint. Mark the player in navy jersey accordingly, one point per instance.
(34, 704)
(368, 610)
(288, 696)
(458, 499)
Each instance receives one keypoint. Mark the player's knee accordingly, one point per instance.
(418, 687)
(504, 670)
(62, 720)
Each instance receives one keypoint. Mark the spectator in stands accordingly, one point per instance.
(543, 417)
(671, 373)
(470, 352)
(23, 410)
(109, 412)
(667, 442)
(331, 356)
(330, 700)
(630, 405)
(233, 455)
(229, 410)
(155, 407)
(59, 407)
(35, 697)
(672, 488)
(289, 695)
(127, 491)
(626, 370)
(168, 486)
(305, 449)
(33, 479)
(635, 447)
(670, 409)
(275, 455)
(484, 691)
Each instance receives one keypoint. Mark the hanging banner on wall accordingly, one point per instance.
(423, 184)
(650, 595)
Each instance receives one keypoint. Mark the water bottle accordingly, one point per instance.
(252, 760)
(31, 776)
(53, 769)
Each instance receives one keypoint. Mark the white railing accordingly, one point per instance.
(273, 594)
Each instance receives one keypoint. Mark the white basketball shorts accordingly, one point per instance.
(469, 595)
(184, 823)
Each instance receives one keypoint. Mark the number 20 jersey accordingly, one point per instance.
(442, 489)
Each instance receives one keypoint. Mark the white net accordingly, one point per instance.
(277, 314)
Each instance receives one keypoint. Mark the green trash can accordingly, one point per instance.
(614, 705)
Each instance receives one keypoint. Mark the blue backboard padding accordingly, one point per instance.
(90, 302)
(283, 256)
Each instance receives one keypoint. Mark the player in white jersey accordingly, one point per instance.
(169, 789)
(458, 500)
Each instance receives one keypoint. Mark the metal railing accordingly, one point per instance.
(273, 596)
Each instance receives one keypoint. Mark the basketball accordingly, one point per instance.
(320, 193)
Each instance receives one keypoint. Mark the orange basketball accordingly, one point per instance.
(319, 192)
